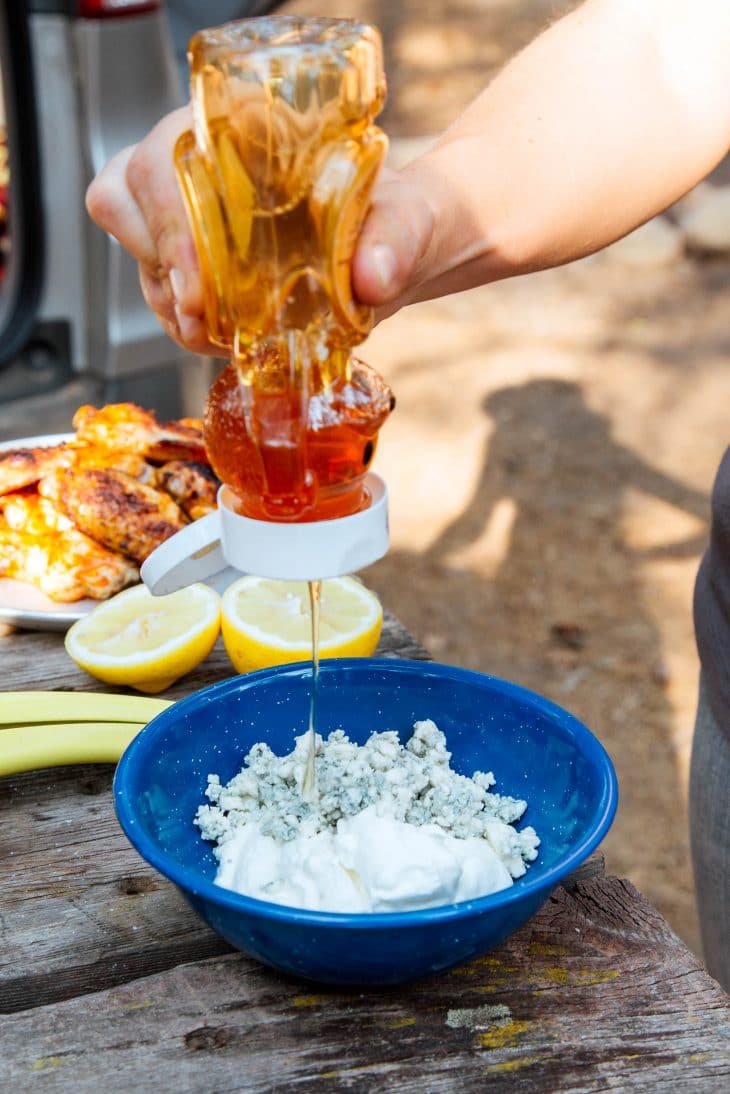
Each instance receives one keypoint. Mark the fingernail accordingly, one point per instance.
(384, 264)
(177, 284)
(188, 326)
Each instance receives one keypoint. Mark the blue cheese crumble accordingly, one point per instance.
(411, 783)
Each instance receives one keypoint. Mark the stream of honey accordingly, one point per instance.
(309, 781)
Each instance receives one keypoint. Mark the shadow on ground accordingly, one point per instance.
(512, 569)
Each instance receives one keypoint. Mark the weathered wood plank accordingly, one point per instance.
(594, 993)
(79, 910)
(594, 866)
(34, 660)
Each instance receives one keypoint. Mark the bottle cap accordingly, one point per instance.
(304, 551)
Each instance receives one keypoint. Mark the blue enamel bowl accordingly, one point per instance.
(536, 750)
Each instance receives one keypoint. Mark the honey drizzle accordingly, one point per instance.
(309, 780)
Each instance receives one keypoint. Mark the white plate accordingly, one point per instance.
(23, 605)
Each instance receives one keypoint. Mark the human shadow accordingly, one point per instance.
(536, 581)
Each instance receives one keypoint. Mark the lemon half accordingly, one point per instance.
(143, 641)
(267, 622)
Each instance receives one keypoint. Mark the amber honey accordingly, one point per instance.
(277, 174)
(297, 469)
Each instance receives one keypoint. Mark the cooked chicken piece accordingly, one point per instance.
(125, 425)
(193, 486)
(115, 509)
(93, 455)
(40, 546)
(30, 513)
(21, 467)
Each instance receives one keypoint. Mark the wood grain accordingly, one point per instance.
(594, 993)
(35, 660)
(108, 979)
(80, 910)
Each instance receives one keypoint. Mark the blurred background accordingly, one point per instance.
(556, 436)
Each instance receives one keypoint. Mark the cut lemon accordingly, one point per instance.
(266, 622)
(143, 641)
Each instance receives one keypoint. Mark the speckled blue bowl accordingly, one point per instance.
(536, 750)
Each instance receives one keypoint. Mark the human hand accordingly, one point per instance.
(395, 256)
(136, 198)
(532, 175)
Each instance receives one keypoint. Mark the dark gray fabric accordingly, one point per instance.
(709, 808)
(712, 602)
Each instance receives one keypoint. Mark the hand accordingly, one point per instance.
(136, 198)
(395, 254)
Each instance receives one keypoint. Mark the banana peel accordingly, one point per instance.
(51, 729)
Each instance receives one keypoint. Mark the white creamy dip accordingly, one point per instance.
(393, 828)
(370, 864)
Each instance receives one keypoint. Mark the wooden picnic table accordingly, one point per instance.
(109, 981)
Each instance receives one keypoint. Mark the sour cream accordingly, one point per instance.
(371, 863)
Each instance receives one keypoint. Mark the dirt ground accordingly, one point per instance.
(550, 462)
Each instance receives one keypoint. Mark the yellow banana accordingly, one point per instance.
(24, 707)
(30, 747)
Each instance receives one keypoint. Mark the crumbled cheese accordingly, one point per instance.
(412, 784)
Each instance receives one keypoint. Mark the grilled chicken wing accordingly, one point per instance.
(20, 467)
(193, 485)
(39, 545)
(115, 509)
(82, 456)
(125, 425)
(75, 518)
(27, 512)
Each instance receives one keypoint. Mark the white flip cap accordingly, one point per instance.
(292, 552)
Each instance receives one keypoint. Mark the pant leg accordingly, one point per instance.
(709, 809)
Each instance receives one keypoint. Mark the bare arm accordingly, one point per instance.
(604, 120)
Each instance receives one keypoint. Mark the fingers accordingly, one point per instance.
(158, 294)
(391, 256)
(152, 182)
(136, 198)
(188, 331)
(112, 206)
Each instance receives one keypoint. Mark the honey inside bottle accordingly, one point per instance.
(277, 174)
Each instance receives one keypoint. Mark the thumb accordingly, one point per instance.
(390, 256)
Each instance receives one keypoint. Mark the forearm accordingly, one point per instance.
(606, 119)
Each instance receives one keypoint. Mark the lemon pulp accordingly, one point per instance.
(268, 622)
(143, 641)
